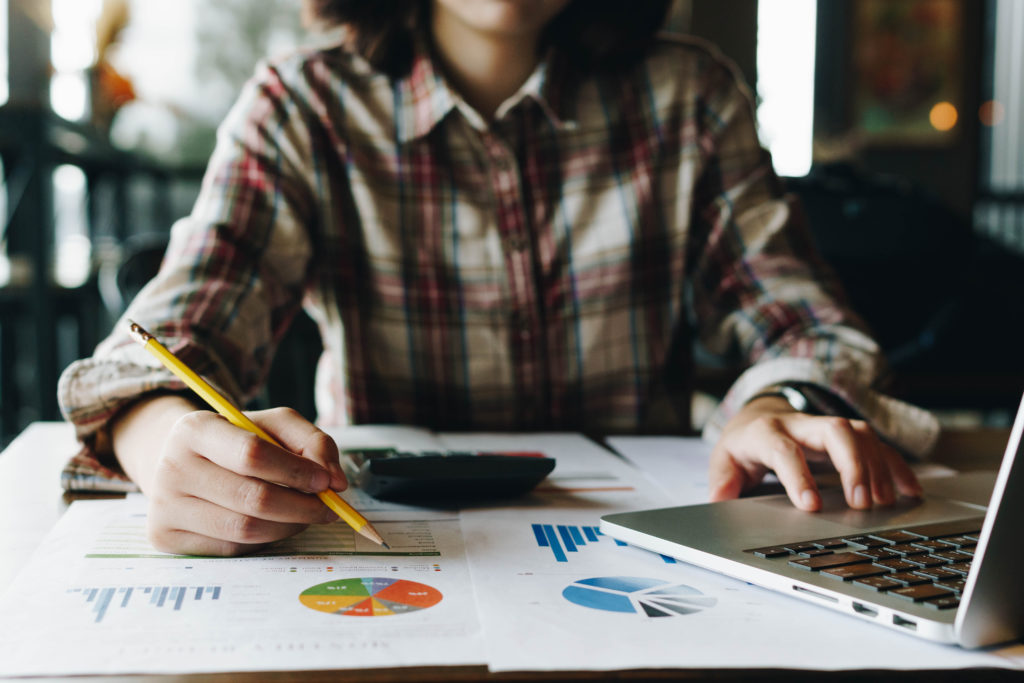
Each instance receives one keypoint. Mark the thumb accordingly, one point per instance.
(726, 478)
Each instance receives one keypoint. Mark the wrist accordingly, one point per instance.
(138, 432)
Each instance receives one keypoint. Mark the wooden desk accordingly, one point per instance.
(31, 501)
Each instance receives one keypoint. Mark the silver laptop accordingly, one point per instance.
(948, 568)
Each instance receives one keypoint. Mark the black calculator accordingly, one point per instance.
(392, 474)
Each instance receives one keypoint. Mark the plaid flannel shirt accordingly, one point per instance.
(548, 269)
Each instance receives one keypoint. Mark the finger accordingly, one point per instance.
(250, 496)
(240, 451)
(785, 456)
(904, 477)
(879, 474)
(207, 519)
(299, 435)
(727, 480)
(836, 436)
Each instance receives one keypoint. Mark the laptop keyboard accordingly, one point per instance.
(925, 563)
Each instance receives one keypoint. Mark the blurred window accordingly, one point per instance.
(1003, 114)
(72, 52)
(786, 35)
(185, 75)
(1000, 211)
(4, 94)
(4, 87)
(71, 232)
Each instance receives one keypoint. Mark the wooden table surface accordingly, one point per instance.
(31, 502)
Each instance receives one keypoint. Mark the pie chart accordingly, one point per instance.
(370, 597)
(630, 594)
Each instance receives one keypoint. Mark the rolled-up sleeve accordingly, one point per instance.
(233, 275)
(762, 294)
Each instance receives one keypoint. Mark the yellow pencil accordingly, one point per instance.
(238, 418)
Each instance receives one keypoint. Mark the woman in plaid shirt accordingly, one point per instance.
(502, 214)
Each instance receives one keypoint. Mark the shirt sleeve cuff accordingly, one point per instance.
(92, 391)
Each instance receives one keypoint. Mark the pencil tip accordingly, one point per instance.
(138, 333)
(386, 546)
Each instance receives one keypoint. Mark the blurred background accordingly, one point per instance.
(899, 122)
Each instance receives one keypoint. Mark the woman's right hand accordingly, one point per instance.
(216, 489)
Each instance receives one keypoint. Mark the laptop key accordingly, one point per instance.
(854, 571)
(960, 541)
(931, 545)
(953, 555)
(908, 578)
(948, 602)
(878, 583)
(800, 547)
(936, 573)
(895, 536)
(831, 543)
(878, 553)
(865, 541)
(957, 527)
(955, 585)
(926, 560)
(814, 552)
(897, 565)
(774, 551)
(906, 549)
(826, 561)
(962, 568)
(921, 593)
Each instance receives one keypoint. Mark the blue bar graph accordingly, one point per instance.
(555, 546)
(563, 531)
(563, 539)
(174, 597)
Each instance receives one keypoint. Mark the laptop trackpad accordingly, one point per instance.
(904, 512)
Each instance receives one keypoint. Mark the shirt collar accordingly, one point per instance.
(424, 98)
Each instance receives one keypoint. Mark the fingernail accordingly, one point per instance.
(809, 499)
(319, 481)
(860, 496)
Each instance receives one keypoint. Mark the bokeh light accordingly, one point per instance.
(991, 113)
(943, 116)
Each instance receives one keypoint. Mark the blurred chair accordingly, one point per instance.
(945, 303)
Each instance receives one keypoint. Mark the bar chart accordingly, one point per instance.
(563, 539)
(102, 599)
